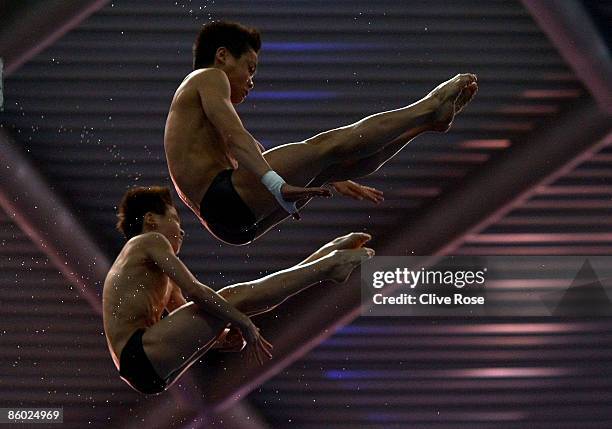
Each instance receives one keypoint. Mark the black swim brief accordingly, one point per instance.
(136, 369)
(224, 212)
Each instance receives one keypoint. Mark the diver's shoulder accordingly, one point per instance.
(151, 238)
(209, 75)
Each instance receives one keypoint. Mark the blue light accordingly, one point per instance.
(348, 375)
(379, 417)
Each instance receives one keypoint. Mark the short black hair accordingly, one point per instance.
(236, 37)
(136, 202)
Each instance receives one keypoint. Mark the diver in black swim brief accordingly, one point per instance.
(150, 351)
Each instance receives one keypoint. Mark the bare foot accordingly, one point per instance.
(466, 95)
(354, 240)
(343, 262)
(451, 97)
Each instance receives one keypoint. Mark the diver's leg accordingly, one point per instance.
(351, 170)
(177, 341)
(264, 294)
(339, 172)
(300, 163)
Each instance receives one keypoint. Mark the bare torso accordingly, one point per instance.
(195, 151)
(135, 294)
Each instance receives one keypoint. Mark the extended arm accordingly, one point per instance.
(231, 341)
(214, 90)
(159, 249)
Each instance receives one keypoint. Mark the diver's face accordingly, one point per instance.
(240, 73)
(169, 224)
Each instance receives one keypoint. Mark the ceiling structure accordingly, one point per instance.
(525, 170)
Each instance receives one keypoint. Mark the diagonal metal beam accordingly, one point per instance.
(29, 27)
(569, 26)
(483, 198)
(33, 206)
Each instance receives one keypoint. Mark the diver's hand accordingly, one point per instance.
(294, 193)
(257, 348)
(358, 192)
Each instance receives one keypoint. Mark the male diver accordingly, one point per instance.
(147, 277)
(238, 190)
